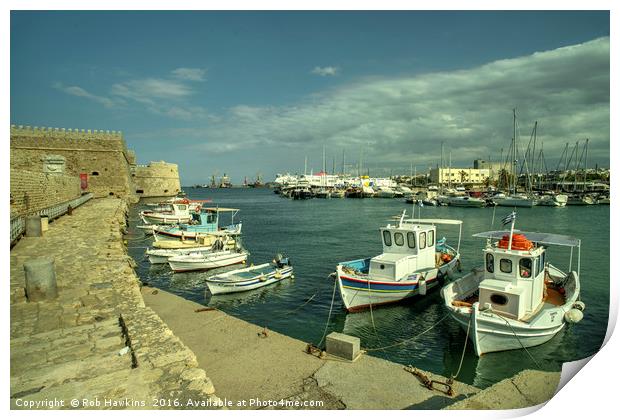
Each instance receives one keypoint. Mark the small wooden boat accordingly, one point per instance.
(412, 262)
(323, 193)
(207, 221)
(466, 201)
(162, 251)
(250, 278)
(553, 200)
(337, 193)
(168, 214)
(518, 299)
(197, 261)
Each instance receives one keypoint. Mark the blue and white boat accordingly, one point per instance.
(205, 222)
(250, 278)
(412, 262)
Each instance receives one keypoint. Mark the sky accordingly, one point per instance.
(247, 93)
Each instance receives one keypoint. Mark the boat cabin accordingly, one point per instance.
(407, 248)
(207, 220)
(514, 277)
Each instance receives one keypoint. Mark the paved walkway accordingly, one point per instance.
(96, 342)
(246, 366)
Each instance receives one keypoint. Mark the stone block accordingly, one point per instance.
(343, 346)
(40, 279)
(33, 226)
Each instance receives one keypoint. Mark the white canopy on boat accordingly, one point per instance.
(219, 209)
(435, 221)
(539, 237)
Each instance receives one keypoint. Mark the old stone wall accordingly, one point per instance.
(34, 191)
(157, 179)
(102, 155)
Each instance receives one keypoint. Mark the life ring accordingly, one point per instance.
(519, 242)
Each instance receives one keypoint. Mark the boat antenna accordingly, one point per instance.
(493, 217)
(402, 217)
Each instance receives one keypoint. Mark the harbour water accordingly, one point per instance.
(317, 234)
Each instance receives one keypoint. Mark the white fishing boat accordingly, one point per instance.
(517, 299)
(553, 200)
(412, 262)
(167, 214)
(514, 200)
(580, 200)
(466, 201)
(250, 278)
(208, 244)
(337, 193)
(197, 261)
(367, 191)
(385, 192)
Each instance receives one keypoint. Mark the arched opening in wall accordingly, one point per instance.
(95, 173)
(139, 191)
(111, 193)
(165, 191)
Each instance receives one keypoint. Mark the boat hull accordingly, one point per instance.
(359, 293)
(223, 286)
(161, 256)
(160, 219)
(207, 262)
(515, 202)
(489, 332)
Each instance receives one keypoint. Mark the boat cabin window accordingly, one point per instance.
(399, 239)
(411, 239)
(525, 268)
(490, 263)
(422, 243)
(211, 217)
(505, 265)
(431, 237)
(387, 238)
(182, 207)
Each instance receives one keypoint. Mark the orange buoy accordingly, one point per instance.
(519, 242)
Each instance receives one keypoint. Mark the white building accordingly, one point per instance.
(459, 176)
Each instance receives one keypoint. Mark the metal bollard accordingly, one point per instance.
(33, 226)
(40, 279)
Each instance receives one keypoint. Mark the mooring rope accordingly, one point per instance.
(302, 305)
(400, 343)
(330, 311)
(372, 317)
(519, 340)
(458, 372)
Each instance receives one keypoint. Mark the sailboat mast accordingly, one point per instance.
(514, 150)
(585, 167)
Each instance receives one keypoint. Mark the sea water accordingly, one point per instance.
(316, 234)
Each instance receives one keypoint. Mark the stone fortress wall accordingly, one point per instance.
(33, 191)
(101, 155)
(157, 179)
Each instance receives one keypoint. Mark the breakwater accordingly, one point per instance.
(96, 345)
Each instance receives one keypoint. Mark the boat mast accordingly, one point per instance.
(585, 167)
(514, 151)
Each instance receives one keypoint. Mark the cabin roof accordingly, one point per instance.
(433, 221)
(219, 209)
(539, 237)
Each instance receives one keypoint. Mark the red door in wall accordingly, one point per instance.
(84, 181)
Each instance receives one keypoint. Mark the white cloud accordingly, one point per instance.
(326, 71)
(191, 74)
(400, 120)
(81, 92)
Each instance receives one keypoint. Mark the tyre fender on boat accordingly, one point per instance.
(573, 316)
